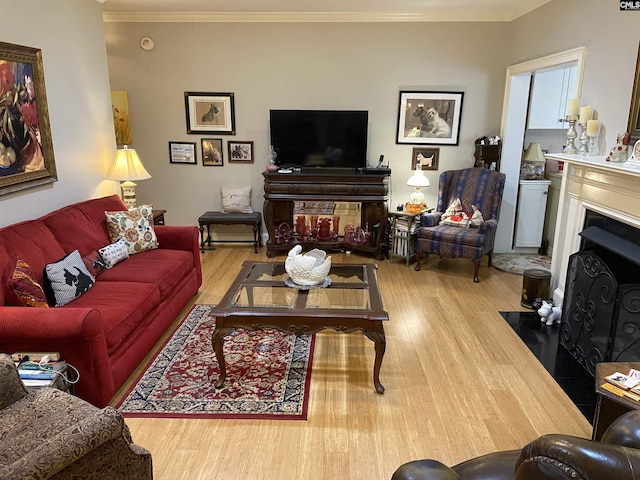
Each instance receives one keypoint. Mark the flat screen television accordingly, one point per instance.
(320, 138)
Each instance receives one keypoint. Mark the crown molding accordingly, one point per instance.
(301, 17)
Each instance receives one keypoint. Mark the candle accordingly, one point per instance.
(592, 127)
(572, 106)
(585, 114)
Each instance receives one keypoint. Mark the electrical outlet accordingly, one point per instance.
(35, 356)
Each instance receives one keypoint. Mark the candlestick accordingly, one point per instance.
(572, 134)
(592, 127)
(585, 114)
(572, 106)
(593, 146)
(584, 139)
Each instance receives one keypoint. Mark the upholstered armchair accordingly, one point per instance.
(479, 187)
(49, 434)
(616, 456)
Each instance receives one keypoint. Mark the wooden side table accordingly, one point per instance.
(158, 217)
(610, 406)
(402, 236)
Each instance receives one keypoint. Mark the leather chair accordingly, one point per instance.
(473, 186)
(616, 456)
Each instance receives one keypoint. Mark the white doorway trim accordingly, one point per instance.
(514, 116)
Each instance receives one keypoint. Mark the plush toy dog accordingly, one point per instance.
(549, 314)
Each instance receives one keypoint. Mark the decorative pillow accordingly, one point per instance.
(135, 226)
(236, 200)
(27, 291)
(455, 216)
(67, 279)
(476, 219)
(94, 263)
(114, 253)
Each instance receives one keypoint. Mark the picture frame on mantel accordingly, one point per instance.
(429, 118)
(210, 113)
(26, 147)
(633, 125)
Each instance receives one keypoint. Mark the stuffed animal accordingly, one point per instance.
(549, 314)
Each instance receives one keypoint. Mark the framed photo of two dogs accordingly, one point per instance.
(429, 118)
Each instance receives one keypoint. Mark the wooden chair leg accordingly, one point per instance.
(418, 260)
(476, 269)
(490, 258)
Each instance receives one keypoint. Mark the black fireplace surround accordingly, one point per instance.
(601, 311)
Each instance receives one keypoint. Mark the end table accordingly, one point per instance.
(610, 406)
(402, 241)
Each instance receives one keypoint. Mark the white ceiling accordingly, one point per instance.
(317, 10)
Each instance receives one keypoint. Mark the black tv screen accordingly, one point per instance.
(320, 138)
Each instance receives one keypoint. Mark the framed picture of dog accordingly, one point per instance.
(429, 118)
(426, 157)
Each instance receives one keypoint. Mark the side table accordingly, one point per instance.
(402, 237)
(158, 217)
(610, 406)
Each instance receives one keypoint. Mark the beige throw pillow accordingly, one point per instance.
(236, 200)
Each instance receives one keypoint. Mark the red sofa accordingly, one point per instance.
(109, 330)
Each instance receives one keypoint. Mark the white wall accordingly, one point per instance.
(70, 34)
(305, 65)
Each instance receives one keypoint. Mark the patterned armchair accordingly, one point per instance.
(473, 186)
(51, 434)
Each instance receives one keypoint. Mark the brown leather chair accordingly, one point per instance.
(615, 457)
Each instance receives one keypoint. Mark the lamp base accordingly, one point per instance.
(417, 197)
(129, 193)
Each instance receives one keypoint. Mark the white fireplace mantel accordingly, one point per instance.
(590, 183)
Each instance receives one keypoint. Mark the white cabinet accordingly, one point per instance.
(532, 204)
(550, 92)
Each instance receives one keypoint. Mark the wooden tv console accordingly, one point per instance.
(371, 190)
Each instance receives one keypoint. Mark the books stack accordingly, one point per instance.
(627, 385)
(402, 245)
(35, 374)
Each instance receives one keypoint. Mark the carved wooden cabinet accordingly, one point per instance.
(371, 190)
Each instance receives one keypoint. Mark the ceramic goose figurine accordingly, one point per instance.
(308, 269)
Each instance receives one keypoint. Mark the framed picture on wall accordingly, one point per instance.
(240, 152)
(633, 126)
(427, 157)
(212, 152)
(26, 148)
(429, 118)
(210, 113)
(183, 152)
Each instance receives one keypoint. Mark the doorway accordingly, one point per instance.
(513, 126)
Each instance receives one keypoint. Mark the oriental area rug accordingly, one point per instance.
(268, 375)
(517, 263)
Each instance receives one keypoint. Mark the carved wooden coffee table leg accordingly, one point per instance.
(216, 342)
(380, 344)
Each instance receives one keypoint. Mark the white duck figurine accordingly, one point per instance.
(308, 269)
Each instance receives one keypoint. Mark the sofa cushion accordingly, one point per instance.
(27, 291)
(453, 235)
(164, 267)
(123, 306)
(67, 279)
(134, 226)
(82, 225)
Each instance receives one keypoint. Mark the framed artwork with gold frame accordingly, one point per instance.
(26, 148)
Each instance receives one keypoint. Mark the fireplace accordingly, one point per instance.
(601, 312)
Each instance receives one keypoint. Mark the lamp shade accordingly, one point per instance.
(534, 153)
(127, 166)
(418, 180)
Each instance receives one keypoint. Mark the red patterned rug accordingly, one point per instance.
(268, 375)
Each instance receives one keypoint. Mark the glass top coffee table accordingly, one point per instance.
(259, 298)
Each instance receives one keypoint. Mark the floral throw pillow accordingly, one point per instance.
(27, 291)
(455, 216)
(135, 227)
(236, 200)
(67, 279)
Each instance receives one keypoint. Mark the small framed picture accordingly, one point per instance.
(212, 152)
(182, 152)
(429, 118)
(240, 152)
(210, 113)
(426, 157)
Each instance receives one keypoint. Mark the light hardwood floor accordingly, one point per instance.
(459, 383)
